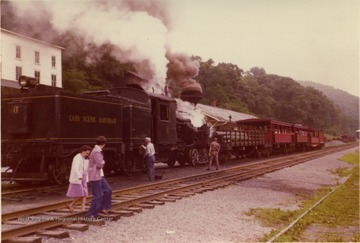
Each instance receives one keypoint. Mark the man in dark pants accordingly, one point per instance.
(101, 190)
(150, 158)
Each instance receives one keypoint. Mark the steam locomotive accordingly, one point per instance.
(43, 127)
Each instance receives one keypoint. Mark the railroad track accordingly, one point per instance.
(19, 193)
(41, 221)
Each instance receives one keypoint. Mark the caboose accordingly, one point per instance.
(43, 128)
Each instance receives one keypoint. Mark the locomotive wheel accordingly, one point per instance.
(266, 152)
(258, 153)
(203, 157)
(175, 157)
(171, 162)
(127, 166)
(59, 171)
(193, 156)
(182, 162)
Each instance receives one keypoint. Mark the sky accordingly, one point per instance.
(307, 40)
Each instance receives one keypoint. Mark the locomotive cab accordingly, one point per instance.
(163, 126)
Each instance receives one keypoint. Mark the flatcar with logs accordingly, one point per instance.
(43, 127)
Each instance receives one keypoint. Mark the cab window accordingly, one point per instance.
(164, 112)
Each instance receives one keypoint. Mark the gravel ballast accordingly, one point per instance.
(219, 216)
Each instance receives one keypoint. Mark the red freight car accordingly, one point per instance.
(278, 135)
(301, 137)
(316, 138)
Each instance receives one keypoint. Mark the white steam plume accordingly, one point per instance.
(138, 28)
(187, 110)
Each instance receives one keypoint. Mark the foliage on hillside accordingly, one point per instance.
(89, 67)
(347, 103)
(271, 96)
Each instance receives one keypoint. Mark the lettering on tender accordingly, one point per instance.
(92, 119)
(89, 119)
(107, 120)
(74, 118)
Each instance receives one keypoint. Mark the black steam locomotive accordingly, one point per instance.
(43, 128)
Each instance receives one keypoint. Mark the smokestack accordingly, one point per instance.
(182, 69)
(191, 93)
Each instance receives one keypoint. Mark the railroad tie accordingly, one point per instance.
(174, 197)
(110, 216)
(94, 221)
(78, 227)
(145, 205)
(26, 239)
(135, 209)
(155, 202)
(166, 199)
(59, 234)
(123, 212)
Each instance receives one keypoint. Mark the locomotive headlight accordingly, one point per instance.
(22, 81)
(29, 82)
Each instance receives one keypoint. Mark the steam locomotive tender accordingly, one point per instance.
(43, 128)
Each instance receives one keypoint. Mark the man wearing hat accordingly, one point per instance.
(101, 190)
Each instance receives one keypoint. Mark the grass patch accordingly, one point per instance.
(337, 215)
(342, 172)
(352, 159)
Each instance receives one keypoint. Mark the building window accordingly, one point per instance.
(18, 51)
(53, 61)
(37, 57)
(18, 73)
(53, 80)
(37, 76)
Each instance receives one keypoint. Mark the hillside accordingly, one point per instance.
(280, 98)
(346, 102)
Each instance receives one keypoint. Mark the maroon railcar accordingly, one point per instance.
(301, 137)
(316, 138)
(278, 135)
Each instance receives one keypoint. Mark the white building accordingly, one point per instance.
(22, 55)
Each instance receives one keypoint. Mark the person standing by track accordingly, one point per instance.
(79, 178)
(101, 190)
(214, 153)
(150, 158)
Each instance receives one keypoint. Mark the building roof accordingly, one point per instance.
(221, 114)
(29, 38)
(139, 76)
